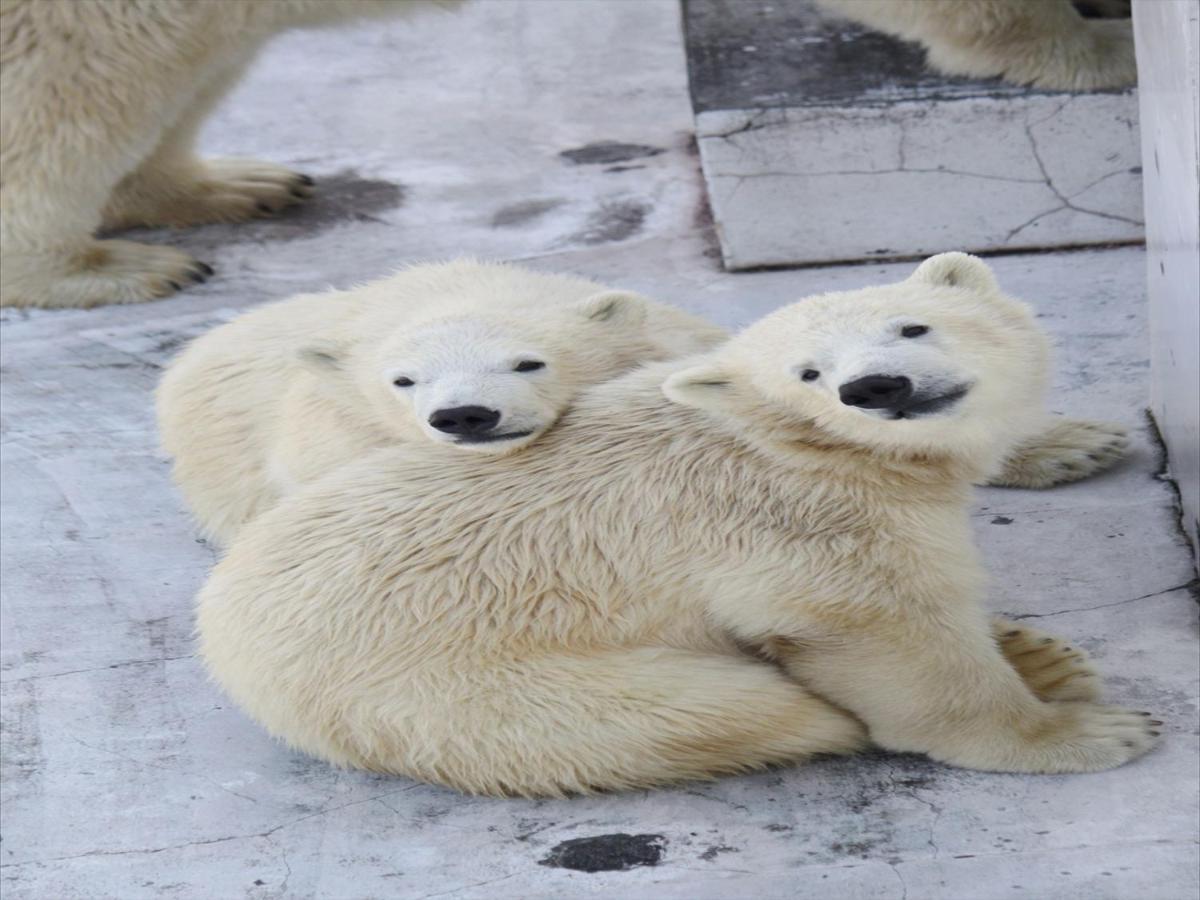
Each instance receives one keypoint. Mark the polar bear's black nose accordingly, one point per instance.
(876, 391)
(464, 419)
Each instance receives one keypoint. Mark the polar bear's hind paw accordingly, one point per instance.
(1052, 668)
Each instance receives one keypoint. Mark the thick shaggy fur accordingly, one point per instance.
(575, 617)
(292, 390)
(100, 102)
(289, 392)
(1044, 43)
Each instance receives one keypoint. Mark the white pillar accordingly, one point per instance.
(1167, 34)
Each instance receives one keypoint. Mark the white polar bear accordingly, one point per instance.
(575, 617)
(1043, 43)
(479, 356)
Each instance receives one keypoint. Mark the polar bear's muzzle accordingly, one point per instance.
(895, 396)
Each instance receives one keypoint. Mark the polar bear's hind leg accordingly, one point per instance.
(609, 721)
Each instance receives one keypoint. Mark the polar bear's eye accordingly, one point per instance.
(529, 365)
(911, 331)
(403, 381)
(810, 375)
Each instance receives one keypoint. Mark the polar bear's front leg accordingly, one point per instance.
(945, 689)
(1066, 450)
(173, 187)
(89, 90)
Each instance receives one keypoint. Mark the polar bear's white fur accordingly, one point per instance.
(708, 566)
(287, 392)
(1044, 43)
(100, 104)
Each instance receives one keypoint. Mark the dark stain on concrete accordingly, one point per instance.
(612, 169)
(607, 852)
(861, 849)
(339, 198)
(716, 849)
(603, 153)
(517, 214)
(614, 220)
(1002, 520)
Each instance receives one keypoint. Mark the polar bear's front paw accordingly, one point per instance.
(100, 273)
(1050, 667)
(202, 193)
(1067, 450)
(1085, 737)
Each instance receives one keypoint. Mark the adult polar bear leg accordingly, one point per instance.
(1044, 43)
(88, 89)
(173, 187)
(611, 720)
(950, 693)
(1065, 450)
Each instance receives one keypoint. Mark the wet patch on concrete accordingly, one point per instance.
(517, 214)
(607, 852)
(339, 198)
(605, 153)
(614, 220)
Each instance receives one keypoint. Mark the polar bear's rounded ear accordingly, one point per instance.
(706, 386)
(956, 270)
(623, 307)
(322, 357)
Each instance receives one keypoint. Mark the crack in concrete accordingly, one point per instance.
(1064, 200)
(466, 887)
(930, 805)
(120, 665)
(221, 840)
(1187, 585)
(935, 171)
(173, 770)
(754, 123)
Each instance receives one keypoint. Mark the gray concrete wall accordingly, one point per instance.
(1168, 49)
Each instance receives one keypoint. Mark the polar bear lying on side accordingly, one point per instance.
(479, 356)
(575, 617)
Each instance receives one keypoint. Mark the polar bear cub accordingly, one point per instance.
(478, 356)
(481, 357)
(575, 617)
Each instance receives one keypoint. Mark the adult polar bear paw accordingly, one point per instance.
(102, 272)
(204, 192)
(1066, 450)
(1051, 668)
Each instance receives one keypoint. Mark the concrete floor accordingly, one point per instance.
(127, 775)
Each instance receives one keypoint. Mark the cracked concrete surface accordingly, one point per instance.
(127, 775)
(819, 184)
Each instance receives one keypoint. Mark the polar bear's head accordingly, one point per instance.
(941, 362)
(487, 383)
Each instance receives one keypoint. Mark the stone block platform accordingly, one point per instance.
(823, 142)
